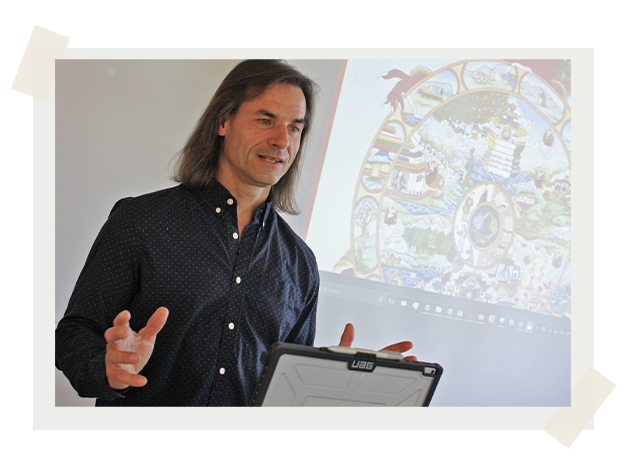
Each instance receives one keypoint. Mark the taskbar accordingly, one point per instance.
(445, 307)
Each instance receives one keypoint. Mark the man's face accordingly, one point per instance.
(262, 139)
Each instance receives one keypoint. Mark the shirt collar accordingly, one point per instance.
(216, 199)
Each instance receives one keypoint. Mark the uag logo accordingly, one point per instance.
(365, 366)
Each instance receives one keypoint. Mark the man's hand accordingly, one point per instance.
(348, 337)
(128, 352)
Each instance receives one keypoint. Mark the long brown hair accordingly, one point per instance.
(197, 162)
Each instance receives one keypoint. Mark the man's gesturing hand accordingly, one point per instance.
(348, 337)
(128, 352)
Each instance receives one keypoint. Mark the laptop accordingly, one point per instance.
(335, 376)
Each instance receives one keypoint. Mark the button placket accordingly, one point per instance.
(226, 357)
(244, 247)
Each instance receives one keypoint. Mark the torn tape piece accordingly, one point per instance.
(35, 75)
(587, 396)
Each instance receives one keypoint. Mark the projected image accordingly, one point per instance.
(465, 189)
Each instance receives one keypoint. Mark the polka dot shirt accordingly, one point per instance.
(230, 297)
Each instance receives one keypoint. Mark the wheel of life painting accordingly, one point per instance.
(465, 189)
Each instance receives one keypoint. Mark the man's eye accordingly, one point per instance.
(295, 129)
(264, 121)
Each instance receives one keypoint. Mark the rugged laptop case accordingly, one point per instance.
(299, 375)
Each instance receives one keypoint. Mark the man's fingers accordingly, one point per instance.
(121, 364)
(115, 356)
(400, 347)
(122, 318)
(155, 323)
(120, 378)
(117, 333)
(348, 336)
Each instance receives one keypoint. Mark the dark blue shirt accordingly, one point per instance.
(229, 297)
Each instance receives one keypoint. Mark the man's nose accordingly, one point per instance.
(279, 138)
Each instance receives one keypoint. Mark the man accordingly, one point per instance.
(208, 266)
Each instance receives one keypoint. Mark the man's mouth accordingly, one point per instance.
(271, 159)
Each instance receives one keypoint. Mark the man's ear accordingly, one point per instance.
(221, 129)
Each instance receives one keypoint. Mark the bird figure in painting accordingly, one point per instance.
(407, 81)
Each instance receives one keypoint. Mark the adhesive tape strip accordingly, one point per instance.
(587, 396)
(35, 75)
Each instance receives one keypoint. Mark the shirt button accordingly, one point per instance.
(218, 210)
(231, 326)
(229, 202)
(235, 235)
(238, 279)
(222, 371)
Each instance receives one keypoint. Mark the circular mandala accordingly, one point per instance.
(465, 190)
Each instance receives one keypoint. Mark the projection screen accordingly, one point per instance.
(443, 216)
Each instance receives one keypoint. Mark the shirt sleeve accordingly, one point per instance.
(303, 333)
(105, 287)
